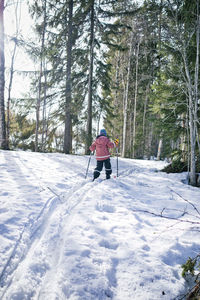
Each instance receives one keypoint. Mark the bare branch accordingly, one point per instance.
(160, 215)
(185, 200)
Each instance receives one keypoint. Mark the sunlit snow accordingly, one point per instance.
(65, 237)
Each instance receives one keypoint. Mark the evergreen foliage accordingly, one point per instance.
(138, 77)
(191, 272)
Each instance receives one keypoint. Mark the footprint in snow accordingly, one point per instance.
(146, 248)
(85, 253)
(108, 244)
(105, 208)
(61, 185)
(39, 269)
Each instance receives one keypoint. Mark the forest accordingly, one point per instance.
(129, 66)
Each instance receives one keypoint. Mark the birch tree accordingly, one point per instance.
(180, 33)
(192, 87)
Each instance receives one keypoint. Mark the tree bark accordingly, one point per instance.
(68, 122)
(135, 97)
(125, 110)
(17, 20)
(3, 142)
(159, 149)
(40, 81)
(191, 122)
(90, 83)
(196, 80)
(9, 92)
(44, 113)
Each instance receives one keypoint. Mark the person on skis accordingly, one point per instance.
(102, 145)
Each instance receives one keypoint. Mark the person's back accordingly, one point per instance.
(102, 145)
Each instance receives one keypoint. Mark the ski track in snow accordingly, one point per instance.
(69, 245)
(33, 228)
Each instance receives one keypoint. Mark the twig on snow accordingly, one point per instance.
(185, 200)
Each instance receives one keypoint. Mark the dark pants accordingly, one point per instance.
(99, 168)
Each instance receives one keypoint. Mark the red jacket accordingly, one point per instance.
(101, 146)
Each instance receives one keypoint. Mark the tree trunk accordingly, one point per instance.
(159, 68)
(44, 117)
(196, 81)
(131, 121)
(145, 110)
(44, 113)
(144, 119)
(3, 142)
(9, 92)
(98, 121)
(192, 145)
(191, 122)
(90, 83)
(40, 81)
(125, 110)
(135, 97)
(68, 123)
(17, 20)
(38, 109)
(159, 149)
(150, 138)
(183, 137)
(117, 80)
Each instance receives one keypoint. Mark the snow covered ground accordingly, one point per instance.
(65, 237)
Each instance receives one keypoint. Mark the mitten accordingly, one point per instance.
(116, 141)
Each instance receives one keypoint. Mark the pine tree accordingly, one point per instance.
(3, 142)
(90, 81)
(68, 124)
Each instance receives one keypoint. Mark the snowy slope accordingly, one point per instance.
(65, 237)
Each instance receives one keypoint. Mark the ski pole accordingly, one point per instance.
(117, 160)
(88, 165)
